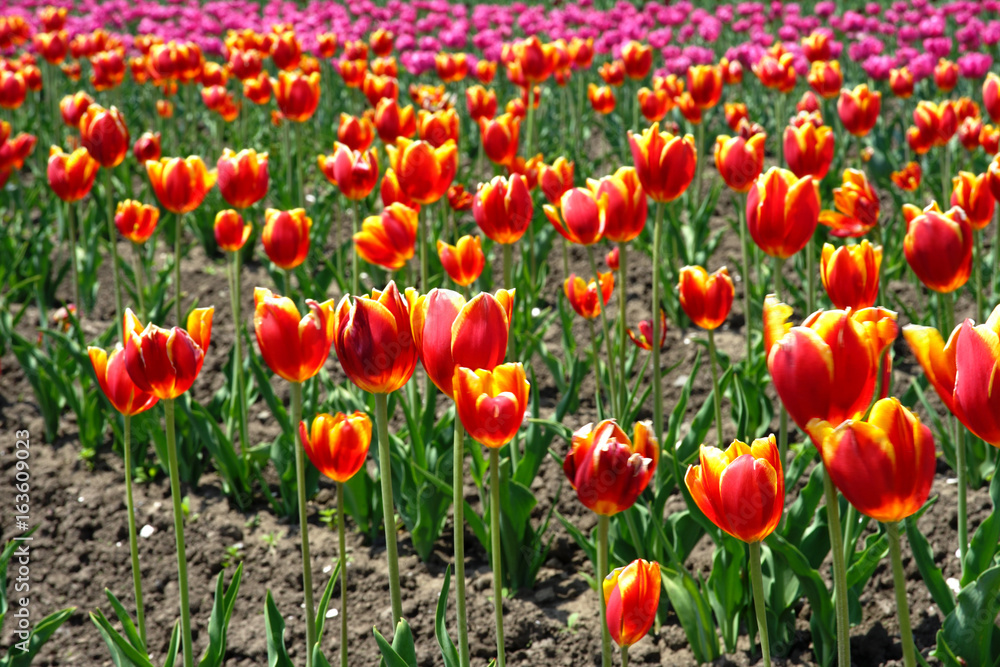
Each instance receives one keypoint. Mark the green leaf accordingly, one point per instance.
(448, 650)
(218, 624)
(983, 544)
(324, 602)
(401, 652)
(924, 558)
(694, 613)
(126, 620)
(726, 590)
(970, 630)
(277, 654)
(123, 654)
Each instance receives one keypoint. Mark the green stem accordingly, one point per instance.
(810, 275)
(422, 240)
(899, 581)
(495, 547)
(175, 496)
(388, 511)
(289, 163)
(133, 545)
(996, 254)
(508, 266)
(700, 163)
(300, 482)
(850, 521)
(71, 225)
(140, 282)
(977, 269)
(779, 265)
(355, 226)
(458, 482)
(946, 177)
(622, 299)
(530, 122)
(342, 545)
(962, 474)
(602, 573)
(113, 240)
(839, 573)
(178, 231)
(657, 371)
(716, 399)
(597, 369)
(241, 390)
(625, 656)
(757, 583)
(779, 129)
(616, 408)
(745, 256)
(565, 258)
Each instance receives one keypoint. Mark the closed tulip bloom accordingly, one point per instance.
(776, 72)
(484, 71)
(376, 88)
(827, 367)
(643, 336)
(556, 179)
(664, 163)
(989, 140)
(114, 380)
(583, 294)
(934, 125)
(104, 135)
(13, 89)
(180, 183)
(71, 175)
(491, 403)
(850, 274)
(295, 347)
(326, 44)
(612, 73)
(242, 177)
(686, 105)
(450, 332)
(166, 362)
(782, 212)
(534, 59)
(976, 361)
(352, 72)
(631, 598)
(901, 82)
(602, 98)
(706, 298)
(968, 133)
(503, 208)
(51, 45)
(500, 138)
(816, 46)
(337, 444)
(825, 78)
(622, 203)
(356, 132)
(705, 85)
(908, 178)
(809, 150)
(464, 261)
(613, 259)
(451, 67)
(286, 236)
(993, 177)
(245, 64)
(735, 112)
(258, 89)
(884, 465)
(15, 151)
(481, 103)
(438, 127)
(391, 192)
(938, 246)
(389, 239)
(355, 173)
(637, 59)
(373, 340)
(297, 95)
(608, 470)
(578, 217)
(230, 232)
(740, 161)
(147, 147)
(741, 489)
(857, 206)
(945, 75)
(393, 122)
(72, 107)
(972, 194)
(286, 52)
(136, 221)
(654, 104)
(991, 96)
(859, 109)
(424, 172)
(732, 71)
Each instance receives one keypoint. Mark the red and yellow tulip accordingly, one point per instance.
(337, 444)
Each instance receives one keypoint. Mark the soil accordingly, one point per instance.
(81, 547)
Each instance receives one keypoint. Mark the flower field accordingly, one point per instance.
(444, 334)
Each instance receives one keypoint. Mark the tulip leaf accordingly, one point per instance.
(126, 620)
(123, 654)
(401, 653)
(865, 562)
(983, 544)
(726, 589)
(448, 651)
(324, 602)
(924, 557)
(694, 613)
(801, 512)
(970, 630)
(277, 654)
(222, 611)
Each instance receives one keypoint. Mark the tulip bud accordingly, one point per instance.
(500, 138)
(850, 274)
(706, 298)
(637, 59)
(613, 259)
(104, 135)
(243, 177)
(901, 82)
(71, 175)
(782, 212)
(180, 184)
(705, 85)
(825, 78)
(859, 109)
(337, 444)
(297, 95)
(632, 597)
(136, 221)
(740, 161)
(230, 232)
(286, 236)
(147, 147)
(945, 75)
(938, 246)
(664, 163)
(601, 98)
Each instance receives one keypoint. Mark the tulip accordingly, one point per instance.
(945, 75)
(459, 199)
(971, 193)
(147, 147)
(165, 109)
(850, 274)
(706, 298)
(776, 72)
(230, 232)
(934, 125)
(993, 177)
(938, 246)
(556, 179)
(354, 172)
(258, 89)
(297, 95)
(245, 65)
(901, 82)
(438, 127)
(464, 261)
(451, 67)
(393, 122)
(705, 85)
(654, 104)
(583, 295)
(607, 470)
(689, 109)
(72, 108)
(16, 150)
(968, 133)
(782, 212)
(809, 150)
(907, 179)
(500, 138)
(481, 103)
(989, 140)
(825, 78)
(991, 96)
(286, 237)
(665, 164)
(180, 183)
(389, 239)
(858, 109)
(286, 52)
(735, 112)
(376, 88)
(484, 71)
(533, 59)
(166, 363)
(104, 135)
(632, 597)
(294, 347)
(857, 206)
(136, 221)
(52, 45)
(337, 444)
(71, 175)
(356, 132)
(637, 59)
(643, 337)
(816, 46)
(601, 98)
(13, 89)
(243, 177)
(578, 217)
(740, 161)
(424, 172)
(503, 208)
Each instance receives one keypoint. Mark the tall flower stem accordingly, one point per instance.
(602, 573)
(342, 546)
(71, 227)
(508, 267)
(747, 282)
(779, 265)
(388, 510)
(657, 372)
(178, 232)
(597, 369)
(140, 283)
(286, 137)
(133, 545)
(899, 581)
(458, 481)
(716, 398)
(616, 408)
(175, 496)
(757, 583)
(810, 275)
(962, 475)
(839, 572)
(300, 482)
(241, 390)
(622, 299)
(422, 240)
(946, 176)
(495, 547)
(779, 121)
(355, 223)
(109, 192)
(995, 283)
(625, 656)
(699, 164)
(977, 268)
